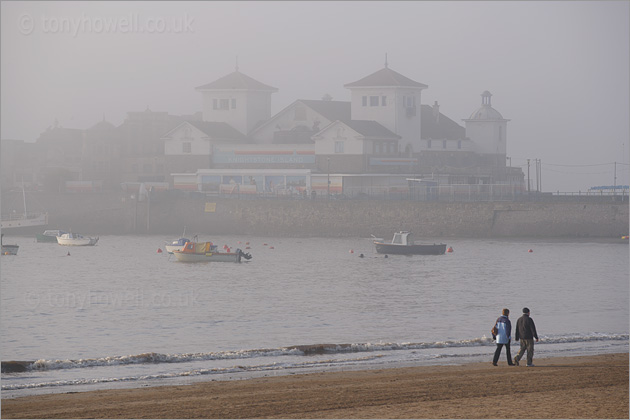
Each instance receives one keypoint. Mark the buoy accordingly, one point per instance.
(352, 251)
(264, 244)
(68, 254)
(449, 249)
(531, 250)
(386, 256)
(246, 243)
(248, 247)
(227, 249)
(159, 251)
(271, 247)
(225, 246)
(361, 255)
(239, 242)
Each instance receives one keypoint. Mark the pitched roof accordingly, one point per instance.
(218, 130)
(386, 77)
(371, 129)
(331, 110)
(237, 81)
(442, 128)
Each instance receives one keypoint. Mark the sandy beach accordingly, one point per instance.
(572, 387)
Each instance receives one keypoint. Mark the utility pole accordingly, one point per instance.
(328, 184)
(529, 190)
(615, 184)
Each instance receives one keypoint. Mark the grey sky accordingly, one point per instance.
(558, 70)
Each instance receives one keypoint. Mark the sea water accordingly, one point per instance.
(121, 314)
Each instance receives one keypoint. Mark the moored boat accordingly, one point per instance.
(208, 252)
(49, 235)
(403, 244)
(75, 239)
(177, 245)
(8, 249)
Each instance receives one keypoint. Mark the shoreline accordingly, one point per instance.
(558, 387)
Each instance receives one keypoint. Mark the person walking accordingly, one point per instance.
(504, 336)
(526, 333)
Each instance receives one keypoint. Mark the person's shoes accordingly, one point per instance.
(511, 364)
(532, 365)
(494, 364)
(515, 361)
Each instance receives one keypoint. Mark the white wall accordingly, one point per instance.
(251, 108)
(186, 133)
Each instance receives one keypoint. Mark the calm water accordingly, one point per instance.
(121, 314)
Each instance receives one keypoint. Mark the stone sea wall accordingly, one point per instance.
(169, 213)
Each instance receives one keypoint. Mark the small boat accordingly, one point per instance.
(49, 235)
(178, 244)
(75, 239)
(208, 252)
(24, 220)
(8, 249)
(402, 243)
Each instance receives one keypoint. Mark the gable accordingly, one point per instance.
(303, 116)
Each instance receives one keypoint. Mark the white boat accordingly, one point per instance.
(75, 239)
(22, 220)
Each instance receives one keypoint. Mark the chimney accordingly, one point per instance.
(436, 112)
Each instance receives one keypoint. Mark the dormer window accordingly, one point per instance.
(373, 100)
(221, 104)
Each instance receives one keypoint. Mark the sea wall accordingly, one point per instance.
(170, 213)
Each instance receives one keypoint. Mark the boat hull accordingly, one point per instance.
(77, 241)
(416, 249)
(207, 257)
(10, 249)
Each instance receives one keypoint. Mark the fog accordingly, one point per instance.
(559, 71)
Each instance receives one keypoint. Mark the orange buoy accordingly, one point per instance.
(227, 249)
(264, 244)
(248, 247)
(271, 247)
(450, 249)
(246, 243)
(352, 251)
(531, 250)
(159, 251)
(225, 246)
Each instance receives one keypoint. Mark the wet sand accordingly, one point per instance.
(572, 387)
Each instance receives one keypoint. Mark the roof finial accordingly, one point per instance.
(237, 63)
(385, 60)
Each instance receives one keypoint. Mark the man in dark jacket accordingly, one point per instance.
(526, 333)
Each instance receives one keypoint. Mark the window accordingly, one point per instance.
(187, 147)
(233, 103)
(373, 100)
(459, 144)
(364, 101)
(409, 101)
(338, 147)
(224, 104)
(215, 103)
(383, 100)
(428, 144)
(443, 144)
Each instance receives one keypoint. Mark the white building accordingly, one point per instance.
(392, 100)
(487, 128)
(238, 100)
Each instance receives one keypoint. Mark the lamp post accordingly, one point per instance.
(528, 183)
(328, 184)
